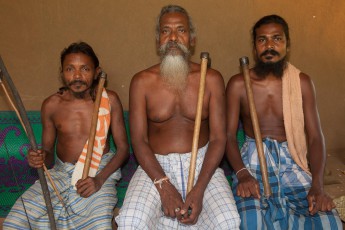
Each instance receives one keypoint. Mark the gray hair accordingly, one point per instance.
(175, 9)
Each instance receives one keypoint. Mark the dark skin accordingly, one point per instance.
(162, 122)
(67, 119)
(267, 92)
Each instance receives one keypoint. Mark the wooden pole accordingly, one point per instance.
(23, 116)
(204, 58)
(93, 128)
(254, 117)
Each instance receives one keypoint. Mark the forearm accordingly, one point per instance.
(213, 157)
(148, 161)
(49, 158)
(317, 158)
(114, 164)
(233, 154)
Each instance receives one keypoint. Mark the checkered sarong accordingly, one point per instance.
(94, 212)
(142, 206)
(287, 208)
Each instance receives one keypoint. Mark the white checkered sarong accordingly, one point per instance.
(142, 205)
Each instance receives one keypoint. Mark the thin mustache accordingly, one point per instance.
(272, 52)
(77, 82)
(173, 45)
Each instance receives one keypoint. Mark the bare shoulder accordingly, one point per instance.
(211, 75)
(305, 79)
(113, 96)
(146, 74)
(307, 84)
(235, 82)
(53, 100)
(52, 104)
(115, 101)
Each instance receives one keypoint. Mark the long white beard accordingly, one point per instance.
(174, 71)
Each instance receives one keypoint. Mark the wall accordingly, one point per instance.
(33, 33)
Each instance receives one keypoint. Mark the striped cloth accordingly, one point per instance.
(287, 208)
(94, 212)
(142, 206)
(103, 123)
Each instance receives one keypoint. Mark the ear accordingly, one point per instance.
(255, 53)
(61, 73)
(97, 72)
(192, 42)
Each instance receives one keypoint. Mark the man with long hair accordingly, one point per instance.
(286, 108)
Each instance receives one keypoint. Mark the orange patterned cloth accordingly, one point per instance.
(102, 129)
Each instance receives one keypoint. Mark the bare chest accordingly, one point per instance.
(73, 119)
(267, 99)
(164, 105)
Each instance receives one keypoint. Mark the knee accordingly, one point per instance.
(231, 221)
(132, 219)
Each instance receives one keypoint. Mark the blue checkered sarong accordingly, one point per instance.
(142, 208)
(94, 212)
(287, 208)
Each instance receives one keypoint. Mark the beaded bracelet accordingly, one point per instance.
(241, 170)
(160, 181)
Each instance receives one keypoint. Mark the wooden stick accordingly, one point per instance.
(195, 145)
(254, 117)
(53, 184)
(23, 116)
(88, 158)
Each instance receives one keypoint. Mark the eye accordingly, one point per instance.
(68, 69)
(181, 30)
(85, 69)
(260, 40)
(278, 39)
(164, 31)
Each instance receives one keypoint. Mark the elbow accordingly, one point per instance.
(123, 150)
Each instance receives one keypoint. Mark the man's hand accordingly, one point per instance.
(194, 202)
(318, 200)
(88, 186)
(36, 159)
(171, 200)
(247, 185)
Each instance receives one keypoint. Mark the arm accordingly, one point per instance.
(317, 199)
(216, 147)
(169, 196)
(90, 185)
(247, 185)
(46, 154)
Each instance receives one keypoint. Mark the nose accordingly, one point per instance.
(172, 36)
(77, 74)
(270, 44)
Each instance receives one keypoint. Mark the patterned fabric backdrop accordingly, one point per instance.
(16, 175)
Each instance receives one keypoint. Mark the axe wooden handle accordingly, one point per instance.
(254, 117)
(93, 128)
(204, 58)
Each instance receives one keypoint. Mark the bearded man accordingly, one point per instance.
(163, 101)
(290, 126)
